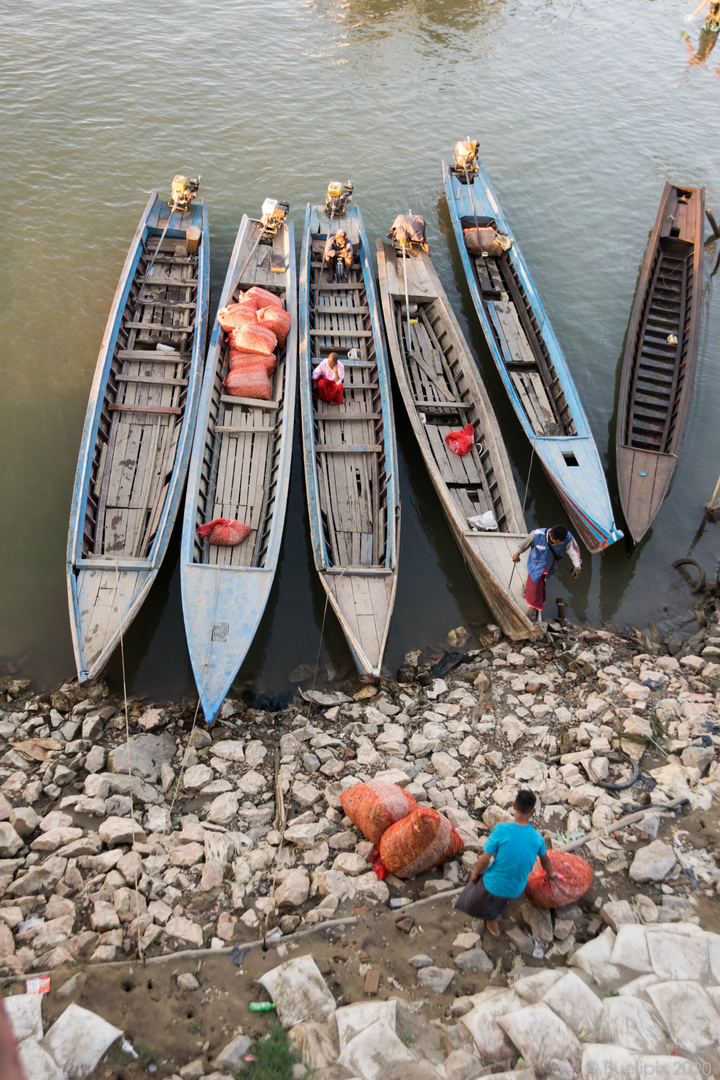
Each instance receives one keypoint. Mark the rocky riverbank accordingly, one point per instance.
(150, 834)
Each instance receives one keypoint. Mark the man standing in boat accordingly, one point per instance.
(338, 255)
(547, 547)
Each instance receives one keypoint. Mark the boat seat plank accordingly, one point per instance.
(537, 421)
(513, 332)
(346, 448)
(146, 408)
(151, 379)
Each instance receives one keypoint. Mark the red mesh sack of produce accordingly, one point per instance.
(276, 320)
(252, 361)
(574, 878)
(263, 298)
(224, 532)
(257, 339)
(236, 315)
(418, 842)
(249, 384)
(375, 806)
(461, 441)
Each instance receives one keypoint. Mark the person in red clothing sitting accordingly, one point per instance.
(328, 379)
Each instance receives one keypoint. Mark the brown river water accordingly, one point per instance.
(582, 111)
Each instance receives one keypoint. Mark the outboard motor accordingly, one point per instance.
(466, 157)
(407, 233)
(274, 214)
(337, 198)
(183, 191)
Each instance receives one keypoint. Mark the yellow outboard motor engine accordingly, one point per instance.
(337, 198)
(466, 156)
(183, 191)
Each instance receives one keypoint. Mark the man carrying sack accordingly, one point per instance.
(502, 870)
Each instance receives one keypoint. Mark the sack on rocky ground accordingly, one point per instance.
(275, 319)
(545, 1041)
(575, 1003)
(248, 384)
(263, 298)
(594, 958)
(375, 806)
(574, 878)
(299, 992)
(234, 316)
(376, 1053)
(418, 842)
(224, 532)
(632, 1023)
(257, 339)
(490, 1039)
(238, 359)
(688, 1014)
(460, 442)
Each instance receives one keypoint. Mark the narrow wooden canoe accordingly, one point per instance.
(440, 385)
(660, 357)
(138, 428)
(240, 468)
(350, 452)
(531, 363)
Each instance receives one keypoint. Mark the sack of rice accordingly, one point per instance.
(257, 339)
(418, 842)
(375, 806)
(252, 361)
(236, 315)
(224, 532)
(248, 384)
(277, 320)
(574, 878)
(262, 297)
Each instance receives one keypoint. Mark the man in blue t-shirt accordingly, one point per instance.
(510, 853)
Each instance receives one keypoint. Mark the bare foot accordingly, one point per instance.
(492, 927)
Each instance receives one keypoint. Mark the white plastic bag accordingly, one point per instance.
(481, 1022)
(629, 1022)
(486, 522)
(299, 992)
(543, 1039)
(576, 1004)
(688, 1014)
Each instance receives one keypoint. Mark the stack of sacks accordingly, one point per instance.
(254, 326)
(411, 838)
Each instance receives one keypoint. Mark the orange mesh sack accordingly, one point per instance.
(257, 339)
(250, 361)
(418, 842)
(224, 532)
(574, 878)
(262, 297)
(236, 315)
(276, 320)
(249, 384)
(375, 806)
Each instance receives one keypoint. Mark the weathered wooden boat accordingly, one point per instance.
(440, 385)
(139, 424)
(660, 357)
(350, 453)
(527, 353)
(239, 469)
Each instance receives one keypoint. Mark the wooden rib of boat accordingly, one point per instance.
(138, 428)
(239, 469)
(440, 385)
(350, 452)
(660, 357)
(530, 362)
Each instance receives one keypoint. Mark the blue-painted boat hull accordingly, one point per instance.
(225, 591)
(108, 578)
(571, 460)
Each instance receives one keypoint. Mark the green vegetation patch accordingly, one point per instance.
(274, 1057)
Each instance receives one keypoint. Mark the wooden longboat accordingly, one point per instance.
(138, 428)
(530, 361)
(350, 451)
(440, 385)
(660, 357)
(239, 468)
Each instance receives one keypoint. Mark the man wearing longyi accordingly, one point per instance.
(547, 547)
(502, 870)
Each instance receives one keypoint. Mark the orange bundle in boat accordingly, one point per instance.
(236, 315)
(277, 320)
(250, 360)
(262, 297)
(574, 878)
(418, 842)
(375, 806)
(249, 384)
(256, 339)
(224, 532)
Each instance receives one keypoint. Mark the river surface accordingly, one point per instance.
(582, 111)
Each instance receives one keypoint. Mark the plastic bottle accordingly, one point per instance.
(261, 1006)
